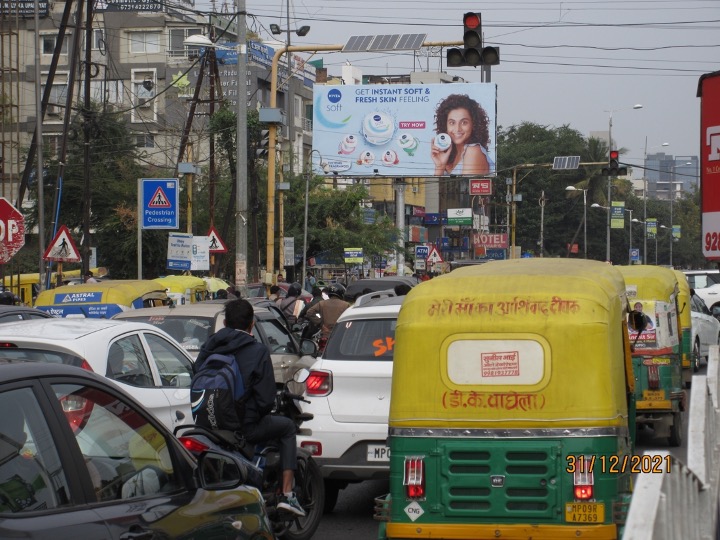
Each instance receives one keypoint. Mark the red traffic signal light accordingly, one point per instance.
(614, 154)
(472, 37)
(614, 168)
(473, 54)
(472, 20)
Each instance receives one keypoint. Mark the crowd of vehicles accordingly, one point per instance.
(469, 393)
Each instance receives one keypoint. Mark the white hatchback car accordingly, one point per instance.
(141, 359)
(349, 393)
(705, 330)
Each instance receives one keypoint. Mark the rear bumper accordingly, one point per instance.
(398, 531)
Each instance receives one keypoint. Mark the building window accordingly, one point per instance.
(146, 140)
(51, 144)
(145, 42)
(58, 93)
(48, 42)
(98, 41)
(177, 45)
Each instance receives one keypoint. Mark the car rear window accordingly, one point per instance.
(369, 339)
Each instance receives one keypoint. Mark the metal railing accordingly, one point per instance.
(682, 502)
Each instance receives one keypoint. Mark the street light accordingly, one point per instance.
(241, 198)
(645, 196)
(573, 188)
(307, 194)
(610, 143)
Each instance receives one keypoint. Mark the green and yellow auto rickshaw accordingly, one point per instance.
(657, 360)
(511, 414)
(101, 300)
(184, 289)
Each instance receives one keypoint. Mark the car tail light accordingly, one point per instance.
(77, 411)
(6, 345)
(319, 383)
(583, 480)
(195, 446)
(653, 374)
(85, 365)
(414, 479)
(314, 447)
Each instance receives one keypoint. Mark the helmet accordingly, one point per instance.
(336, 289)
(7, 298)
(294, 289)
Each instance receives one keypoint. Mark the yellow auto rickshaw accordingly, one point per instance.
(184, 289)
(657, 361)
(511, 408)
(101, 300)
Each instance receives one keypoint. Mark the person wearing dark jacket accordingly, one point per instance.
(253, 358)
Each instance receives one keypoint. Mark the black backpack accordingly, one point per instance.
(217, 394)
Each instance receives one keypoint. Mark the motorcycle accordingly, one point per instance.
(263, 466)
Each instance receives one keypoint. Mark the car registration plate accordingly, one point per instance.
(378, 452)
(653, 395)
(585, 512)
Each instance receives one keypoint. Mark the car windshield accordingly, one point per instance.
(189, 332)
(372, 339)
(22, 354)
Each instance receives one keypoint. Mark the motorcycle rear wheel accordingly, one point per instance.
(310, 492)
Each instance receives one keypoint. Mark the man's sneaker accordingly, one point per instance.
(291, 504)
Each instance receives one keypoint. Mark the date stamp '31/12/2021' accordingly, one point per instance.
(618, 464)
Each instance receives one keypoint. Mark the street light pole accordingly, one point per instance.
(645, 198)
(630, 231)
(573, 188)
(241, 188)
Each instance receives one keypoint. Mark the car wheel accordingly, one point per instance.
(332, 490)
(696, 356)
(676, 430)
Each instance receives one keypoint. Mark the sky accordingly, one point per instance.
(561, 63)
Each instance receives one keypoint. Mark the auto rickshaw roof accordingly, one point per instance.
(650, 282)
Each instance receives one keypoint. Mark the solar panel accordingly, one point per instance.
(358, 43)
(384, 42)
(410, 41)
(566, 162)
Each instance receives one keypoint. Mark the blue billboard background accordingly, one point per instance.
(388, 130)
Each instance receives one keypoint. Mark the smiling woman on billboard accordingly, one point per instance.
(462, 137)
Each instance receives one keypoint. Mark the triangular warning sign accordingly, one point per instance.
(434, 256)
(62, 248)
(216, 243)
(159, 200)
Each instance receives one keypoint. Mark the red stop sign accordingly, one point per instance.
(12, 231)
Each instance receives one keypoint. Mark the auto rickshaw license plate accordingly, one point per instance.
(653, 395)
(585, 512)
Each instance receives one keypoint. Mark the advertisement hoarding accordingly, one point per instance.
(709, 93)
(405, 129)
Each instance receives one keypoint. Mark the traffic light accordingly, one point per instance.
(614, 168)
(473, 54)
(263, 146)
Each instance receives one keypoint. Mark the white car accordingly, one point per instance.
(349, 393)
(705, 330)
(142, 360)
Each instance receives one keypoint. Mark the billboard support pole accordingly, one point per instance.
(272, 136)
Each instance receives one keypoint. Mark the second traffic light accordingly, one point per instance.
(473, 54)
(614, 168)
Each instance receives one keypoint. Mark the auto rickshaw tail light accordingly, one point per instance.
(653, 375)
(583, 482)
(414, 479)
(319, 383)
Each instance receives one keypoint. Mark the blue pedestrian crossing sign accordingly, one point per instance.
(634, 254)
(159, 198)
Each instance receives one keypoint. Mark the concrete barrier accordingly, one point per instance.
(682, 502)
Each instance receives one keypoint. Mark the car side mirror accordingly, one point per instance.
(218, 471)
(637, 321)
(308, 347)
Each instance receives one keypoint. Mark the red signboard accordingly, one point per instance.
(492, 241)
(480, 186)
(709, 93)
(12, 231)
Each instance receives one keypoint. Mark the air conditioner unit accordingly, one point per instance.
(415, 189)
(146, 103)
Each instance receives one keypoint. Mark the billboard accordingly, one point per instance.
(709, 93)
(405, 129)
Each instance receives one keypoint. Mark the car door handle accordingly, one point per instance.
(137, 533)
